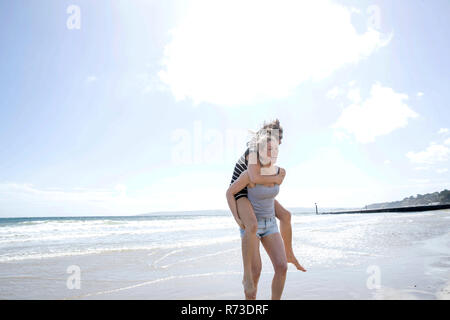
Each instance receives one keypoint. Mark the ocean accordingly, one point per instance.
(41, 238)
(197, 256)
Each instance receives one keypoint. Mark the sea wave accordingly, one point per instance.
(68, 251)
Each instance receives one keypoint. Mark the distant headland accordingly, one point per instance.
(425, 202)
(435, 198)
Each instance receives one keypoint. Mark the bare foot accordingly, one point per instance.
(292, 259)
(249, 290)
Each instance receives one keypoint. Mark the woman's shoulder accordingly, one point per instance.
(250, 153)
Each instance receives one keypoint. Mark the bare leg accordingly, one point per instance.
(275, 249)
(249, 244)
(256, 267)
(286, 233)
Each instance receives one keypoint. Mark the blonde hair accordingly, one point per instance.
(268, 129)
(258, 141)
(274, 128)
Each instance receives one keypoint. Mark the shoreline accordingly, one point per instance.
(395, 209)
(399, 279)
(348, 257)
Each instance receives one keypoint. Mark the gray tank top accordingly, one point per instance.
(262, 199)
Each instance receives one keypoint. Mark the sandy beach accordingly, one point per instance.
(372, 256)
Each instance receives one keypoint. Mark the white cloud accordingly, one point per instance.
(420, 94)
(421, 168)
(442, 170)
(387, 161)
(91, 78)
(381, 113)
(25, 199)
(433, 154)
(241, 52)
(354, 95)
(443, 131)
(33, 200)
(341, 136)
(334, 93)
(147, 81)
(447, 141)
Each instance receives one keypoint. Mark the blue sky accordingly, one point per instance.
(146, 106)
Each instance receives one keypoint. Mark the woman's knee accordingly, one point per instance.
(251, 226)
(247, 215)
(284, 215)
(281, 267)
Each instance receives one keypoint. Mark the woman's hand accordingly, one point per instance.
(234, 188)
(280, 176)
(239, 222)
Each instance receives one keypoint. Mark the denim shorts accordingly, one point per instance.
(266, 226)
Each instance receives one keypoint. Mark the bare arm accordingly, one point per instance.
(235, 187)
(254, 173)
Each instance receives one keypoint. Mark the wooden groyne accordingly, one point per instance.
(398, 209)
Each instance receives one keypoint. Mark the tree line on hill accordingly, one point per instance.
(442, 197)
